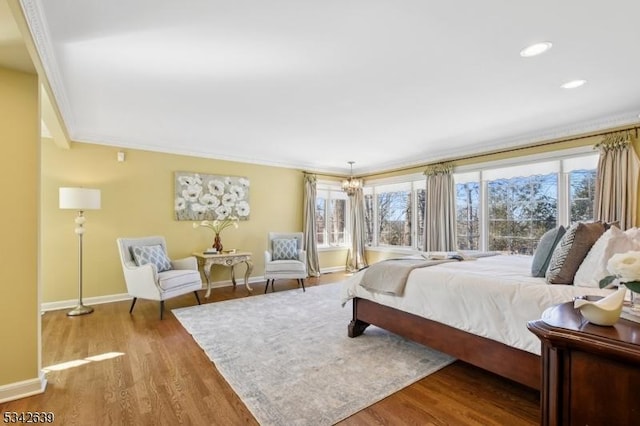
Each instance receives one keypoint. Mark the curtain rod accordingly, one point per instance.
(505, 151)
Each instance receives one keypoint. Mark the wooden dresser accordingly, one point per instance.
(590, 373)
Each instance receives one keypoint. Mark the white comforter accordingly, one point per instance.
(493, 297)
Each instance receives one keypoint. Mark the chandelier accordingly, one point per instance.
(352, 184)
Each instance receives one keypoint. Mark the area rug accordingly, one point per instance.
(288, 357)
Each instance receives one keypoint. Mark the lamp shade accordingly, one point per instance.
(79, 198)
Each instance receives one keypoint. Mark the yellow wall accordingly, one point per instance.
(137, 200)
(19, 180)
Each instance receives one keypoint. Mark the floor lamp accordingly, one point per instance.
(80, 199)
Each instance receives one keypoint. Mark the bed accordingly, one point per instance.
(475, 310)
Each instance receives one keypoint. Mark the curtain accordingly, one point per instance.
(309, 225)
(440, 209)
(355, 257)
(616, 197)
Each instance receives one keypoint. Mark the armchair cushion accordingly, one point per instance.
(174, 279)
(285, 249)
(153, 254)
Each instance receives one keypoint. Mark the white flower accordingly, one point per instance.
(198, 208)
(223, 211)
(227, 181)
(244, 182)
(229, 199)
(190, 180)
(216, 187)
(210, 201)
(242, 208)
(238, 191)
(180, 204)
(218, 226)
(192, 193)
(626, 266)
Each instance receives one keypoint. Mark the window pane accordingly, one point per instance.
(421, 195)
(320, 220)
(337, 221)
(368, 219)
(394, 211)
(582, 188)
(467, 217)
(521, 210)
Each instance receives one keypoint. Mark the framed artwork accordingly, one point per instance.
(210, 197)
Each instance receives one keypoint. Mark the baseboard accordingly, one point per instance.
(89, 301)
(23, 389)
(333, 269)
(67, 304)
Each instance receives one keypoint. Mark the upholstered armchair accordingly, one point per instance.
(150, 274)
(285, 258)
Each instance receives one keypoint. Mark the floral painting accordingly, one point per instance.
(210, 197)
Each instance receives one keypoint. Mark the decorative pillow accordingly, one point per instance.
(545, 248)
(571, 251)
(285, 249)
(594, 266)
(151, 254)
(634, 235)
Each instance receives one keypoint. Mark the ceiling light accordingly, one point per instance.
(535, 49)
(573, 84)
(351, 185)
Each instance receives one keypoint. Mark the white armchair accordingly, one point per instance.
(285, 258)
(153, 276)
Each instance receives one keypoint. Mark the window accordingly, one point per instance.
(509, 208)
(467, 214)
(394, 213)
(331, 216)
(582, 188)
(520, 211)
(500, 206)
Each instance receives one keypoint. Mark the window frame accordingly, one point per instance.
(563, 192)
(329, 188)
(563, 215)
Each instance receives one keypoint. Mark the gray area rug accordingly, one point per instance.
(288, 357)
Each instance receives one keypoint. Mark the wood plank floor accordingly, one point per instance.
(157, 375)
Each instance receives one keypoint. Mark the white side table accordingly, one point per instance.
(230, 260)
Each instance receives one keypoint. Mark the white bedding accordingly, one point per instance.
(493, 297)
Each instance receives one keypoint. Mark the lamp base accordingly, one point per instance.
(80, 310)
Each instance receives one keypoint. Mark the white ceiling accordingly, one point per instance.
(314, 84)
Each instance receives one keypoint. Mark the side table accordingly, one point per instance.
(230, 260)
(590, 373)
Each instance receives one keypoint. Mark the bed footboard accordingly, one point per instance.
(514, 364)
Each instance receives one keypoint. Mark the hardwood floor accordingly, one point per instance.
(153, 373)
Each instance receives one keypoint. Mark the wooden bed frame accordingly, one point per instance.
(514, 364)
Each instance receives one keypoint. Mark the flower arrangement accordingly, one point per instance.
(625, 268)
(217, 226)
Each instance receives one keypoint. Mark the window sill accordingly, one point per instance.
(392, 249)
(332, 248)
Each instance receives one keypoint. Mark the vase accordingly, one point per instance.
(217, 243)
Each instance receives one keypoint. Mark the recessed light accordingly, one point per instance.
(573, 84)
(535, 49)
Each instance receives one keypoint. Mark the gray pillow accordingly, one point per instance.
(544, 251)
(285, 249)
(571, 251)
(151, 254)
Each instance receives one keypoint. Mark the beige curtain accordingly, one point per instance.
(309, 225)
(616, 197)
(440, 209)
(356, 257)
